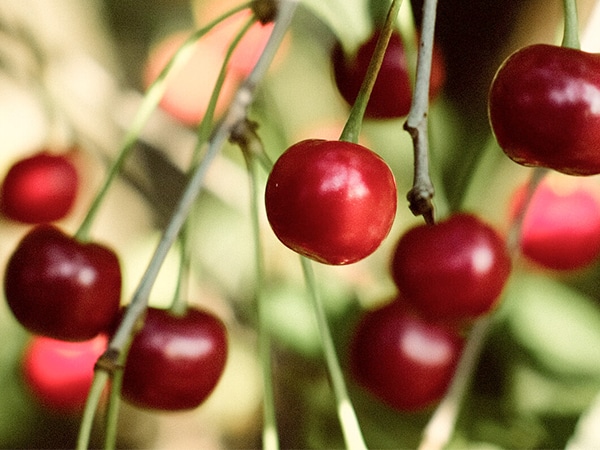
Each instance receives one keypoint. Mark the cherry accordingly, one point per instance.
(453, 270)
(190, 88)
(543, 108)
(561, 227)
(59, 373)
(331, 201)
(40, 188)
(175, 362)
(392, 93)
(402, 359)
(61, 288)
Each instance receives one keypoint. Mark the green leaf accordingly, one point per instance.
(558, 326)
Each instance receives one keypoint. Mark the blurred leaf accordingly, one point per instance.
(348, 19)
(558, 326)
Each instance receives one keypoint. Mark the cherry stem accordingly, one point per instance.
(179, 304)
(149, 104)
(347, 416)
(351, 130)
(421, 195)
(249, 142)
(440, 428)
(110, 360)
(571, 33)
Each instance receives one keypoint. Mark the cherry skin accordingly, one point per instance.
(543, 108)
(175, 362)
(59, 374)
(561, 227)
(331, 201)
(61, 288)
(40, 188)
(454, 270)
(402, 359)
(391, 96)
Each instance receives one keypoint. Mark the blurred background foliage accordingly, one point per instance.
(71, 72)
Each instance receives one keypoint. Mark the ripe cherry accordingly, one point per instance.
(331, 201)
(61, 288)
(454, 270)
(544, 108)
(561, 227)
(402, 359)
(175, 362)
(40, 188)
(59, 374)
(392, 93)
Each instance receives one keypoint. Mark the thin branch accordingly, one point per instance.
(109, 361)
(421, 195)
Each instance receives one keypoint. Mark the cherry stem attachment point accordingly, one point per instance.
(421, 195)
(571, 33)
(351, 130)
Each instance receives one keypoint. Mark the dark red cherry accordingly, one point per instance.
(41, 188)
(59, 374)
(392, 93)
(61, 288)
(331, 201)
(175, 362)
(544, 108)
(402, 359)
(453, 270)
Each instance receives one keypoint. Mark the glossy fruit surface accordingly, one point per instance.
(331, 201)
(58, 373)
(175, 362)
(392, 93)
(403, 360)
(561, 228)
(40, 188)
(453, 270)
(61, 288)
(544, 108)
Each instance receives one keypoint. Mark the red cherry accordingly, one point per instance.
(403, 360)
(392, 93)
(561, 228)
(59, 373)
(61, 288)
(331, 201)
(175, 362)
(544, 108)
(453, 270)
(41, 188)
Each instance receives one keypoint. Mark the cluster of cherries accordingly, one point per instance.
(334, 202)
(67, 293)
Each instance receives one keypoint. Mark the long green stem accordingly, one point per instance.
(270, 435)
(571, 34)
(138, 304)
(347, 416)
(149, 104)
(353, 125)
(89, 412)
